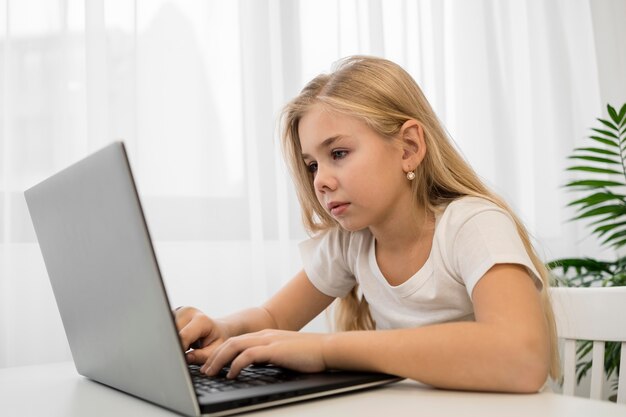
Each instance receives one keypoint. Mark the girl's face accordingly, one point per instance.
(358, 175)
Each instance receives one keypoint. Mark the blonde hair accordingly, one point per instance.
(385, 96)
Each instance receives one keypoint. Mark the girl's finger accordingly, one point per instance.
(198, 328)
(256, 354)
(226, 352)
(197, 356)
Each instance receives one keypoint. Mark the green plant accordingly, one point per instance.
(603, 203)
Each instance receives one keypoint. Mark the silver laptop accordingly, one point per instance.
(117, 318)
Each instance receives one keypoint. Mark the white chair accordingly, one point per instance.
(596, 314)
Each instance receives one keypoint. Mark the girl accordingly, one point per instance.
(437, 277)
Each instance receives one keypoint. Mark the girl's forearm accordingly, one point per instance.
(469, 355)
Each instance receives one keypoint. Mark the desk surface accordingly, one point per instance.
(60, 391)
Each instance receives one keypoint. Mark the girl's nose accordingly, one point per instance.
(324, 180)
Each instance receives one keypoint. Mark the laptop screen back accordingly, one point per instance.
(106, 280)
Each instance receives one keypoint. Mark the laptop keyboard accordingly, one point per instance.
(252, 376)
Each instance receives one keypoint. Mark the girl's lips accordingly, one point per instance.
(338, 209)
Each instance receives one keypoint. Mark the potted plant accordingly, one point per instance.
(601, 199)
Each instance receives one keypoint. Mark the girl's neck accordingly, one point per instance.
(405, 231)
(403, 248)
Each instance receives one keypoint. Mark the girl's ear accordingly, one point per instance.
(413, 144)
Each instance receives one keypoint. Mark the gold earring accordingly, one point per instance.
(410, 175)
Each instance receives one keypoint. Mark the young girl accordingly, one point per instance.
(437, 277)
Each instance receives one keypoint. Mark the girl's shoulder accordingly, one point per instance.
(471, 202)
(459, 211)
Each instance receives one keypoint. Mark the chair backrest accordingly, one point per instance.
(595, 314)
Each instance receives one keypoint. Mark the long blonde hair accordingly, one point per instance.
(385, 96)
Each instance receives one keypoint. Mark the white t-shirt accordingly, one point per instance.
(471, 235)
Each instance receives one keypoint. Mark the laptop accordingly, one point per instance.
(106, 280)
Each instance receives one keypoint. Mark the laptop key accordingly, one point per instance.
(249, 377)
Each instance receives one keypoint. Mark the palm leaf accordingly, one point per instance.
(584, 272)
(606, 141)
(614, 116)
(580, 265)
(597, 150)
(605, 133)
(597, 198)
(594, 184)
(596, 159)
(606, 219)
(622, 112)
(608, 124)
(615, 236)
(594, 169)
(602, 230)
(619, 244)
(612, 355)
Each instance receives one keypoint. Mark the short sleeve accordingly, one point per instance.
(325, 262)
(485, 238)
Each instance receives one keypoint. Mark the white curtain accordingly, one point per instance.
(194, 88)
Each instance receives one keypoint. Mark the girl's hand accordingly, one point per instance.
(198, 332)
(298, 351)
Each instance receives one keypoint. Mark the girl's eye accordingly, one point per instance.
(312, 167)
(339, 154)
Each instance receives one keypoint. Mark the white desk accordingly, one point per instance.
(60, 391)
